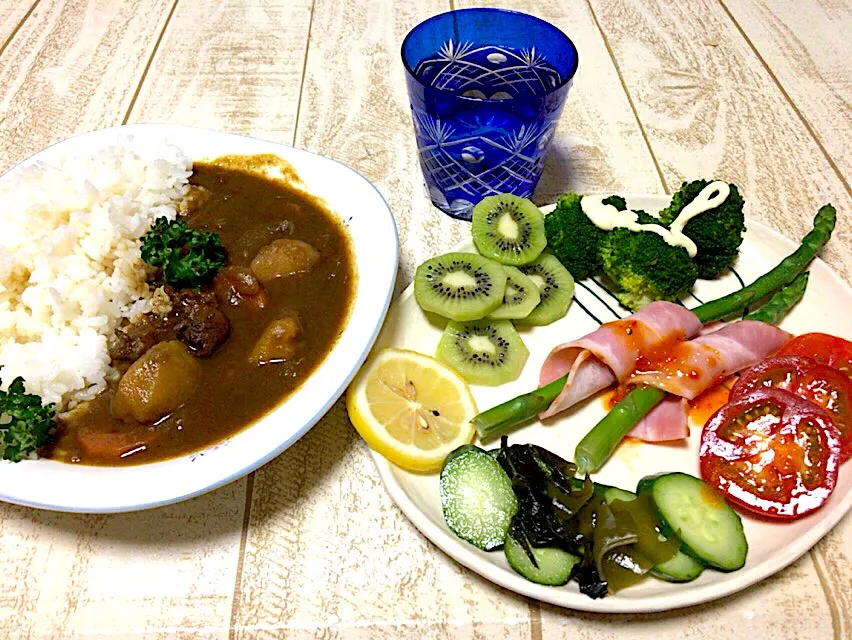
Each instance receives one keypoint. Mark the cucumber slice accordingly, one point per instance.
(709, 529)
(477, 497)
(554, 565)
(681, 568)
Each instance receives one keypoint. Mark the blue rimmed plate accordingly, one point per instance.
(48, 484)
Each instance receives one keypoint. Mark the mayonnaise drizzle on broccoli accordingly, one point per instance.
(608, 217)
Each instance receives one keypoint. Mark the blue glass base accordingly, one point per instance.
(486, 88)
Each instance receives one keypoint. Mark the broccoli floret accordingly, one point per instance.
(643, 217)
(573, 238)
(717, 233)
(186, 257)
(25, 424)
(645, 268)
(616, 201)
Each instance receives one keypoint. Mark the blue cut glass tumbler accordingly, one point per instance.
(486, 88)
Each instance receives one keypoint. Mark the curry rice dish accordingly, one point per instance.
(196, 359)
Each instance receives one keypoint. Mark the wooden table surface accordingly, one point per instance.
(752, 91)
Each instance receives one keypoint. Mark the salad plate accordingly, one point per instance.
(772, 545)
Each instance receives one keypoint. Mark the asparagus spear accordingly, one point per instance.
(597, 445)
(783, 274)
(782, 301)
(504, 417)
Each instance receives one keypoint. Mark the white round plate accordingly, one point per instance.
(54, 485)
(772, 546)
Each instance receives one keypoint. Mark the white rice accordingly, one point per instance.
(70, 267)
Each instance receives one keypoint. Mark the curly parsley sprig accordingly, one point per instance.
(186, 257)
(26, 425)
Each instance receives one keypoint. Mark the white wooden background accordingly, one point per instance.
(310, 546)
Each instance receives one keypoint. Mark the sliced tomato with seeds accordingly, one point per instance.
(829, 350)
(810, 380)
(771, 453)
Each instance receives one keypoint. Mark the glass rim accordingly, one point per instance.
(568, 77)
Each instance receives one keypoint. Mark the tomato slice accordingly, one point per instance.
(808, 379)
(771, 453)
(830, 350)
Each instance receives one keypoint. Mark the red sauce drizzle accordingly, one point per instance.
(708, 403)
(672, 361)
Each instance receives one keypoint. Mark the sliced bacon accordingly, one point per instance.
(669, 420)
(609, 354)
(688, 368)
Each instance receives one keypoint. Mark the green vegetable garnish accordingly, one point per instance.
(505, 416)
(717, 233)
(25, 423)
(573, 238)
(186, 257)
(645, 268)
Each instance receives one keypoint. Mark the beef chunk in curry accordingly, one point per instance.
(195, 319)
(211, 360)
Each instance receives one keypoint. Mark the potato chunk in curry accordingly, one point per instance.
(284, 257)
(157, 383)
(279, 341)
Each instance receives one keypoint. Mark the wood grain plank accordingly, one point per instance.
(327, 554)
(806, 46)
(234, 66)
(833, 558)
(139, 574)
(322, 499)
(72, 67)
(12, 15)
(775, 608)
(710, 108)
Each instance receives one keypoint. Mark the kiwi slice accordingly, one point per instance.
(488, 352)
(555, 285)
(521, 296)
(508, 229)
(460, 286)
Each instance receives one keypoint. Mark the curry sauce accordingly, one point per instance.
(236, 197)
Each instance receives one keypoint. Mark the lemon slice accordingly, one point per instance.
(411, 408)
